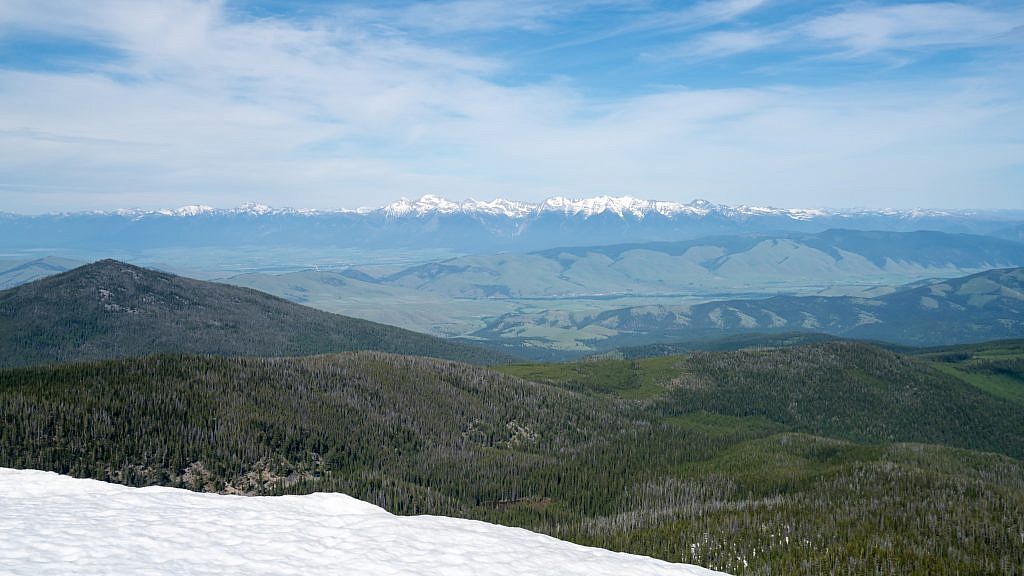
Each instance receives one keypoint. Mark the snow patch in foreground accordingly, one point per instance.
(56, 524)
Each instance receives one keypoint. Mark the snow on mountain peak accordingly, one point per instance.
(499, 206)
(555, 204)
(617, 205)
(621, 206)
(193, 210)
(426, 204)
(587, 207)
(254, 208)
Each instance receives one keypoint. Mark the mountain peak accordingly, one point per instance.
(426, 204)
(134, 311)
(190, 210)
(110, 264)
(254, 208)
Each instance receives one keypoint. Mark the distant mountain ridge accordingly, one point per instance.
(110, 309)
(471, 226)
(724, 263)
(975, 308)
(570, 300)
(22, 271)
(590, 299)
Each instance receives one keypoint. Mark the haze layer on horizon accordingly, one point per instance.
(154, 104)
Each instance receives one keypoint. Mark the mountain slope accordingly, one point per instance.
(110, 309)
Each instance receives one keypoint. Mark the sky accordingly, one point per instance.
(158, 104)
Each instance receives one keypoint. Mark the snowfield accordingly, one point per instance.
(52, 524)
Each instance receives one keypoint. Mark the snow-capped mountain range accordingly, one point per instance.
(621, 206)
(469, 226)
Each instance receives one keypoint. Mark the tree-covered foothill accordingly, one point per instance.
(829, 458)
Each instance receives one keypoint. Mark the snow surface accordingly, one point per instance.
(52, 524)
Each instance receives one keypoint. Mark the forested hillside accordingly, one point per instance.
(747, 462)
(110, 309)
(850, 391)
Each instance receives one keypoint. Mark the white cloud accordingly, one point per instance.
(724, 43)
(329, 112)
(696, 16)
(870, 29)
(723, 10)
(477, 16)
(862, 31)
(481, 15)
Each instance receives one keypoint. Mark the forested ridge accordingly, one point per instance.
(852, 391)
(740, 461)
(110, 309)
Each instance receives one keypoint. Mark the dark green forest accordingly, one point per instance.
(824, 458)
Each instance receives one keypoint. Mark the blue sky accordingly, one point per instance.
(125, 103)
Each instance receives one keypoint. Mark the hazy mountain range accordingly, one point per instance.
(470, 226)
(572, 299)
(979, 307)
(109, 309)
(588, 299)
(753, 262)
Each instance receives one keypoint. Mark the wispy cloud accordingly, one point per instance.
(697, 16)
(724, 43)
(863, 31)
(872, 29)
(203, 104)
(474, 16)
(710, 12)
